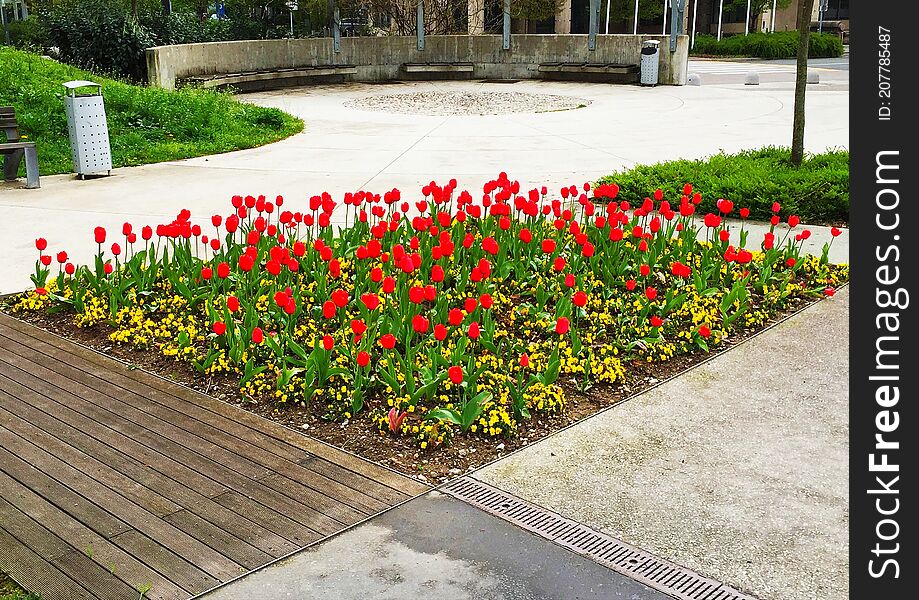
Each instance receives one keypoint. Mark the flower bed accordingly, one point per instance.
(472, 324)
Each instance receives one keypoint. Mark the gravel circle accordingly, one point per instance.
(467, 103)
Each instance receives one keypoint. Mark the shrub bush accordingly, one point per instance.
(781, 44)
(818, 191)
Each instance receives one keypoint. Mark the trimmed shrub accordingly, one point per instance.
(818, 191)
(781, 44)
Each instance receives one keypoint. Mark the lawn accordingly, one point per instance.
(146, 125)
(817, 191)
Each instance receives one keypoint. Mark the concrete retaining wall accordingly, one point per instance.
(380, 58)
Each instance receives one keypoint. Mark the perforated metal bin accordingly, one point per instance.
(88, 128)
(649, 60)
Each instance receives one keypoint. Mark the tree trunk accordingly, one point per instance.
(805, 8)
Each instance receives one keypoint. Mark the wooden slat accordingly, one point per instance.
(256, 463)
(164, 485)
(33, 572)
(183, 493)
(210, 561)
(83, 538)
(232, 418)
(50, 547)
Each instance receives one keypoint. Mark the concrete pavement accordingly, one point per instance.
(345, 149)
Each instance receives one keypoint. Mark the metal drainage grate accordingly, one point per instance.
(623, 558)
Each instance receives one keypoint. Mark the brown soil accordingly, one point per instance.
(434, 465)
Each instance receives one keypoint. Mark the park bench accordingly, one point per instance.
(439, 70)
(14, 149)
(584, 71)
(270, 78)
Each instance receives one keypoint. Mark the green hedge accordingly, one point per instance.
(818, 191)
(781, 44)
(146, 125)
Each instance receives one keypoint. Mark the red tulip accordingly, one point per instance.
(656, 321)
(328, 309)
(725, 206)
(223, 270)
(455, 317)
(246, 263)
(388, 341)
(440, 332)
(61, 257)
(712, 220)
(219, 327)
(548, 246)
(644, 270)
(724, 235)
(579, 299)
(257, 335)
(562, 325)
(470, 305)
(705, 331)
(793, 221)
(456, 374)
(363, 359)
(420, 324)
(651, 293)
(358, 327)
(630, 284)
(99, 233)
(829, 291)
(70, 269)
(474, 331)
(524, 360)
(559, 264)
(371, 301)
(835, 231)
(569, 280)
(328, 342)
(41, 244)
(389, 285)
(776, 207)
(744, 213)
(486, 301)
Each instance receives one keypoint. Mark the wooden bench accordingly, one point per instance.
(14, 149)
(585, 71)
(265, 79)
(439, 70)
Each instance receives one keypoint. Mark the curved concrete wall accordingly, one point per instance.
(380, 58)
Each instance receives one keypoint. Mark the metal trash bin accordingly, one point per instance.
(649, 60)
(88, 129)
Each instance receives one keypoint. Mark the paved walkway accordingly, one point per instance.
(113, 480)
(344, 149)
(737, 469)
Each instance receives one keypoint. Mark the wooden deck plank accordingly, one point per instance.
(232, 418)
(183, 493)
(210, 561)
(51, 548)
(83, 538)
(34, 573)
(166, 486)
(355, 491)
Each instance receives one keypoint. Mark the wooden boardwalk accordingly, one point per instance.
(114, 480)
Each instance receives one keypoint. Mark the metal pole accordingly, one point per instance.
(291, 23)
(6, 32)
(592, 24)
(506, 39)
(820, 9)
(772, 18)
(692, 35)
(336, 30)
(635, 29)
(608, 3)
(419, 24)
(746, 25)
(676, 21)
(720, 13)
(664, 27)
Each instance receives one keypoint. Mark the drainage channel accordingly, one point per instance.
(655, 572)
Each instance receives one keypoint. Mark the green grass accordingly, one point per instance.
(146, 125)
(818, 191)
(10, 591)
(781, 44)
